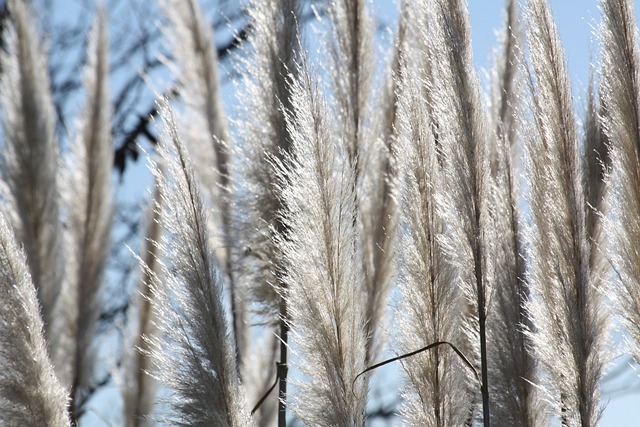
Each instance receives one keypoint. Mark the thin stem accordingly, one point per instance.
(420, 350)
(267, 393)
(282, 366)
(484, 368)
(235, 318)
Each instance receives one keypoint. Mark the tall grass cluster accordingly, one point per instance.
(358, 205)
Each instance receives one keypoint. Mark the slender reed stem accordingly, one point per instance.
(282, 367)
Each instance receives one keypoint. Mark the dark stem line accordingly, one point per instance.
(282, 367)
(235, 318)
(482, 323)
(484, 367)
(267, 393)
(564, 411)
(423, 349)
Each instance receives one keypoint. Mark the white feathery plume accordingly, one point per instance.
(195, 64)
(325, 278)
(269, 67)
(567, 308)
(515, 400)
(505, 79)
(30, 162)
(140, 386)
(195, 356)
(620, 94)
(597, 161)
(423, 25)
(90, 195)
(266, 96)
(436, 393)
(596, 165)
(463, 138)
(378, 194)
(30, 393)
(351, 70)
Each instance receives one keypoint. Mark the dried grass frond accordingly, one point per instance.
(30, 162)
(463, 139)
(437, 392)
(567, 309)
(326, 281)
(515, 400)
(195, 357)
(620, 95)
(267, 95)
(30, 393)
(90, 211)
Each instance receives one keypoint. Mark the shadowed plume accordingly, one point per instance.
(89, 198)
(515, 400)
(270, 68)
(30, 162)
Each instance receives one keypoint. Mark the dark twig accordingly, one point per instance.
(127, 147)
(267, 393)
(413, 353)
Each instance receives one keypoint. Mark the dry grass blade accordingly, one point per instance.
(418, 351)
